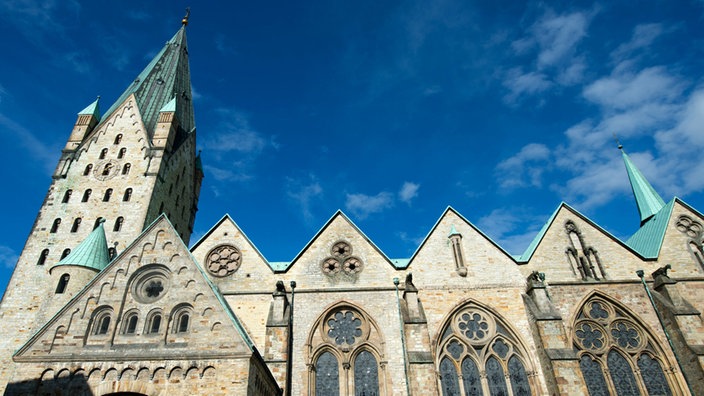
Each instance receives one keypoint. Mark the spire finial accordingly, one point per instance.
(184, 21)
(619, 145)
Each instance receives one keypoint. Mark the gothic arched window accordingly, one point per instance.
(103, 153)
(86, 195)
(346, 354)
(477, 341)
(55, 226)
(118, 224)
(43, 256)
(63, 283)
(612, 345)
(67, 196)
(128, 194)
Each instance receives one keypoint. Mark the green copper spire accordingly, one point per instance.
(93, 109)
(165, 77)
(648, 201)
(91, 253)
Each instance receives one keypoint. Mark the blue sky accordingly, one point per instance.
(390, 111)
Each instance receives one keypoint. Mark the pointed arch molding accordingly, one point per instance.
(618, 352)
(478, 352)
(347, 345)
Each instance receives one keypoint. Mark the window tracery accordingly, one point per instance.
(612, 346)
(477, 354)
(223, 260)
(341, 260)
(345, 353)
(695, 232)
(584, 260)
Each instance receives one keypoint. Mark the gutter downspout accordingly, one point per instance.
(640, 274)
(403, 337)
(289, 358)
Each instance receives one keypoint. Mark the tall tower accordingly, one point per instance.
(117, 173)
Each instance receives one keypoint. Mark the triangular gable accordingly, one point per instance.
(155, 275)
(339, 215)
(450, 209)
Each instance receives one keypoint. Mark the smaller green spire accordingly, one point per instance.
(453, 231)
(93, 109)
(648, 201)
(91, 253)
(169, 107)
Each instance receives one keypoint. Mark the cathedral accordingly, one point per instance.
(107, 298)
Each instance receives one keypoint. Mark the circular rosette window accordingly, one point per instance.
(341, 249)
(352, 265)
(476, 326)
(590, 335)
(151, 283)
(344, 328)
(599, 310)
(626, 335)
(223, 260)
(331, 266)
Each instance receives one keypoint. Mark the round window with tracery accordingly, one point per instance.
(344, 328)
(475, 325)
(223, 260)
(150, 284)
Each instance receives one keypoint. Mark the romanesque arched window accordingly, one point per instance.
(76, 224)
(65, 253)
(86, 195)
(67, 196)
(63, 283)
(118, 224)
(121, 153)
(153, 323)
(103, 153)
(101, 321)
(127, 195)
(613, 347)
(346, 354)
(130, 323)
(108, 194)
(55, 226)
(126, 169)
(87, 170)
(478, 354)
(181, 318)
(43, 256)
(118, 138)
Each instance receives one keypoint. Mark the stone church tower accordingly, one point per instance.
(120, 169)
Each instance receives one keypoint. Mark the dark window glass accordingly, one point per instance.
(55, 226)
(107, 169)
(448, 378)
(103, 325)
(183, 323)
(108, 194)
(121, 154)
(67, 196)
(118, 224)
(126, 169)
(327, 377)
(366, 375)
(471, 378)
(118, 139)
(495, 377)
(593, 376)
(112, 252)
(86, 195)
(519, 378)
(654, 378)
(76, 224)
(89, 168)
(63, 282)
(65, 253)
(621, 375)
(43, 256)
(103, 153)
(128, 194)
(156, 324)
(131, 324)
(97, 222)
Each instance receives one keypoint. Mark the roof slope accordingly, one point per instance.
(166, 77)
(648, 239)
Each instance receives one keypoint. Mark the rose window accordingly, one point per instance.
(223, 260)
(590, 336)
(340, 261)
(344, 328)
(473, 325)
(352, 265)
(331, 266)
(625, 335)
(341, 249)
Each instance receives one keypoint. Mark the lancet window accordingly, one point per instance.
(479, 355)
(613, 348)
(584, 260)
(346, 356)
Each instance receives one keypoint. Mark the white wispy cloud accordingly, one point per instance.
(643, 36)
(36, 148)
(525, 168)
(363, 205)
(8, 257)
(512, 228)
(304, 192)
(520, 83)
(408, 191)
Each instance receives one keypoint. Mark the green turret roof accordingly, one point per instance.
(164, 78)
(91, 253)
(93, 109)
(648, 201)
(169, 107)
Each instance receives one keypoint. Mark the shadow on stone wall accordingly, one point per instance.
(76, 385)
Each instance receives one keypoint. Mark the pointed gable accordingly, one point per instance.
(152, 302)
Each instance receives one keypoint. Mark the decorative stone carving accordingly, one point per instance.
(150, 284)
(689, 227)
(223, 260)
(341, 260)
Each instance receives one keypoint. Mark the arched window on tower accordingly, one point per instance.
(121, 153)
(107, 169)
(126, 169)
(97, 222)
(103, 153)
(112, 252)
(65, 253)
(86, 195)
(612, 345)
(67, 196)
(76, 224)
(89, 168)
(43, 256)
(108, 194)
(63, 283)
(118, 138)
(55, 226)
(128, 194)
(118, 224)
